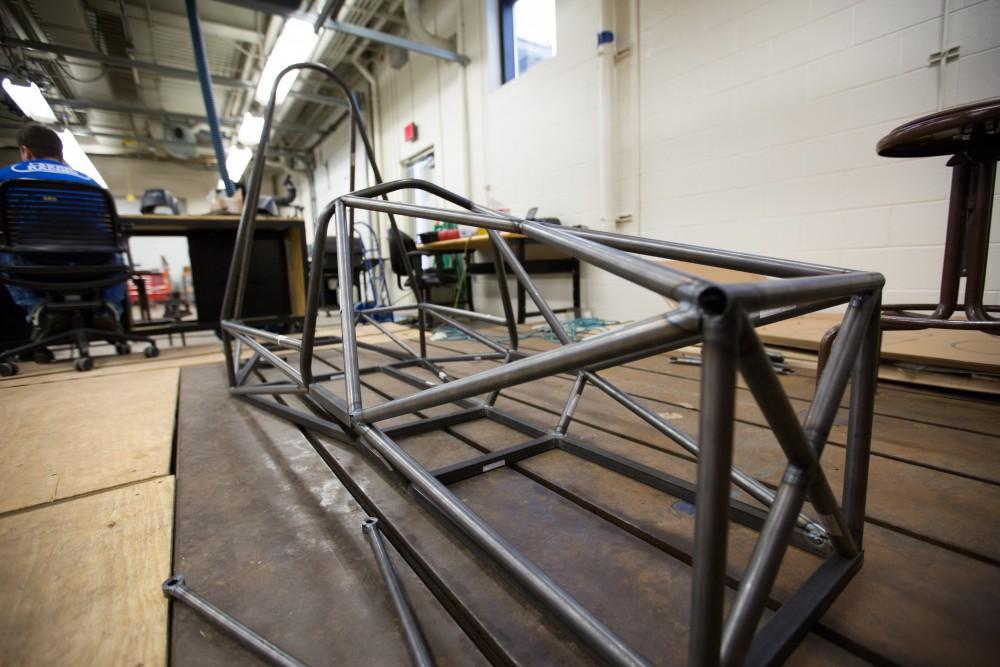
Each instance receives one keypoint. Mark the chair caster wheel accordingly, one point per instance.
(151, 352)
(123, 348)
(43, 356)
(8, 369)
(83, 364)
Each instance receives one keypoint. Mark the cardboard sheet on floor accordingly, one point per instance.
(966, 350)
(80, 580)
(62, 439)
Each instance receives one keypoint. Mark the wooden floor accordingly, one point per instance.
(87, 509)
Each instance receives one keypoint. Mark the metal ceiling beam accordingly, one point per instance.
(177, 21)
(118, 107)
(162, 70)
(270, 7)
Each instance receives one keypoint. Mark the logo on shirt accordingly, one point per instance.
(47, 167)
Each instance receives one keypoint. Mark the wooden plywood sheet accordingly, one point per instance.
(61, 439)
(971, 350)
(80, 580)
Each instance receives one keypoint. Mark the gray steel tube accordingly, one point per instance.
(271, 357)
(784, 422)
(758, 579)
(458, 312)
(650, 275)
(415, 642)
(570, 407)
(345, 287)
(794, 291)
(176, 588)
(589, 629)
(859, 426)
(678, 324)
(279, 339)
(711, 514)
(431, 213)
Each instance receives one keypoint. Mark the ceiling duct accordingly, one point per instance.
(179, 141)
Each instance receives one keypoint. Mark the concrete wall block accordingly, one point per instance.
(819, 38)
(976, 28)
(874, 18)
(902, 98)
(861, 64)
(773, 18)
(978, 76)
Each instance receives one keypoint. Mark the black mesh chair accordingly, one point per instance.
(427, 279)
(70, 245)
(330, 270)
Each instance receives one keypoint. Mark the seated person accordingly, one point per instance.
(42, 158)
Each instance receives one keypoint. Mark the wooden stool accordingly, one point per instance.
(971, 135)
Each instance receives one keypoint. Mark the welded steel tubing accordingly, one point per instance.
(766, 388)
(268, 389)
(472, 333)
(727, 259)
(758, 579)
(388, 334)
(272, 358)
(570, 407)
(594, 634)
(392, 309)
(412, 634)
(278, 339)
(431, 213)
(500, 270)
(711, 516)
(859, 427)
(830, 389)
(794, 291)
(536, 296)
(246, 369)
(458, 312)
(751, 486)
(315, 290)
(176, 588)
(650, 275)
(345, 287)
(677, 324)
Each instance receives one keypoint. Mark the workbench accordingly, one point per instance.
(555, 262)
(276, 292)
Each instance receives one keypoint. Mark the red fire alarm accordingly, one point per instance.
(410, 132)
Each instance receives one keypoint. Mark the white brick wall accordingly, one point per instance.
(752, 125)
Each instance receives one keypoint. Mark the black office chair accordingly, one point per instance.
(331, 270)
(68, 261)
(426, 278)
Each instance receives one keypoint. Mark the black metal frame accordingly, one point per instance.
(722, 317)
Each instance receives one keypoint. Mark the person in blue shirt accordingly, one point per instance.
(42, 158)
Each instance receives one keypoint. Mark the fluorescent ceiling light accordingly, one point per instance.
(250, 129)
(74, 156)
(236, 162)
(294, 44)
(29, 99)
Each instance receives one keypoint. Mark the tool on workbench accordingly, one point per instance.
(176, 588)
(415, 642)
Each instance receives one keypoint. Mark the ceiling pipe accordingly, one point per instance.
(155, 68)
(411, 9)
(205, 78)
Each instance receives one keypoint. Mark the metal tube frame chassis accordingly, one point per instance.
(722, 317)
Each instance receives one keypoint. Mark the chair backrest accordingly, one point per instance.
(396, 259)
(42, 216)
(330, 255)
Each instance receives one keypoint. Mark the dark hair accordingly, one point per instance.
(41, 141)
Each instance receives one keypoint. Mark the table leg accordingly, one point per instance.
(977, 240)
(576, 288)
(521, 312)
(955, 237)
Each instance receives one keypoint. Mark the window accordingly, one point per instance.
(528, 34)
